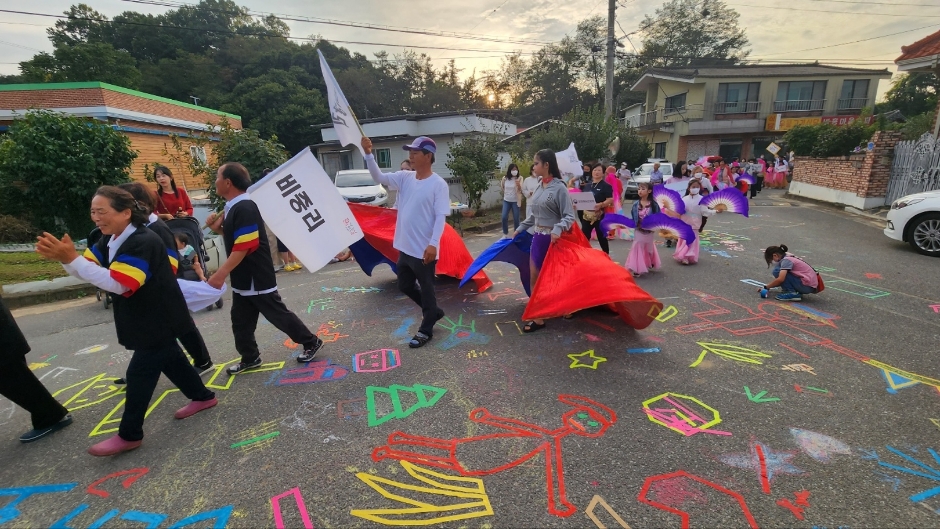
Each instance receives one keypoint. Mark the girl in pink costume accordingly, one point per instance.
(643, 255)
(614, 181)
(688, 253)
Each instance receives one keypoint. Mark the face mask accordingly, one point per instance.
(514, 173)
(694, 190)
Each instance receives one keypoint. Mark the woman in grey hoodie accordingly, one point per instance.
(552, 215)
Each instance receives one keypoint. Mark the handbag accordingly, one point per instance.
(590, 216)
(821, 286)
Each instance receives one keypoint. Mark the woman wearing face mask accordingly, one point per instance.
(511, 187)
(686, 253)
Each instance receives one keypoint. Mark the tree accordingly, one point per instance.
(51, 165)
(912, 94)
(683, 31)
(96, 61)
(474, 160)
(246, 147)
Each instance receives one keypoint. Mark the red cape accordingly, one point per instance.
(575, 276)
(453, 258)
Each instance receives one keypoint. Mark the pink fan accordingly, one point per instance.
(726, 200)
(667, 198)
(612, 221)
(668, 227)
(745, 178)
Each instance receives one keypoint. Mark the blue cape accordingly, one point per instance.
(512, 251)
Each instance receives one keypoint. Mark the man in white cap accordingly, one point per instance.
(423, 206)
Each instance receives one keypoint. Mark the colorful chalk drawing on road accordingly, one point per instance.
(801, 499)
(589, 512)
(765, 461)
(819, 446)
(640, 351)
(133, 475)
(378, 361)
(896, 381)
(730, 352)
(664, 315)
(461, 333)
(509, 326)
(586, 418)
(651, 481)
(33, 366)
(256, 438)
(321, 304)
(443, 498)
(506, 292)
(683, 414)
(586, 359)
(923, 469)
(858, 289)
(424, 396)
(301, 507)
(327, 334)
(92, 349)
(402, 334)
(98, 388)
(769, 317)
(352, 290)
(316, 371)
(473, 353)
(799, 368)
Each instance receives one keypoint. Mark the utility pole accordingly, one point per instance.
(611, 52)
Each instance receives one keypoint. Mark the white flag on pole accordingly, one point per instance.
(300, 204)
(568, 162)
(344, 120)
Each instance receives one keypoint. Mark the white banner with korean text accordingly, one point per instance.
(300, 204)
(344, 120)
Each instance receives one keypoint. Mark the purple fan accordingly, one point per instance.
(729, 199)
(668, 227)
(745, 177)
(613, 221)
(667, 198)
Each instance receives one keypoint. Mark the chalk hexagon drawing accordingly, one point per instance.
(378, 361)
(676, 412)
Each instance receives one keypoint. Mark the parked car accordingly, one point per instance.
(642, 174)
(915, 219)
(358, 186)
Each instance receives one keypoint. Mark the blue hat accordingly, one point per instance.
(421, 143)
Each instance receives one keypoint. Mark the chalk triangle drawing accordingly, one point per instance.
(896, 381)
(426, 396)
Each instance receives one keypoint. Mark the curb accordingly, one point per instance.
(27, 299)
(841, 207)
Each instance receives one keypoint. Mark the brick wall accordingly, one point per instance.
(865, 174)
(150, 153)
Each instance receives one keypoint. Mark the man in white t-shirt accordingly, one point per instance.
(423, 206)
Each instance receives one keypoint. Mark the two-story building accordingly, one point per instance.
(739, 110)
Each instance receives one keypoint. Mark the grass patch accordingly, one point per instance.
(487, 216)
(22, 267)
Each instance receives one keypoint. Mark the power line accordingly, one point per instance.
(359, 25)
(853, 13)
(875, 3)
(855, 41)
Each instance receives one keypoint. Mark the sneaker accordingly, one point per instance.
(278, 268)
(789, 296)
(203, 369)
(112, 446)
(241, 367)
(298, 266)
(310, 352)
(39, 433)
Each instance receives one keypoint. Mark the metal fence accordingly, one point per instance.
(916, 167)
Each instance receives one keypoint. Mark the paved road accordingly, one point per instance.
(794, 415)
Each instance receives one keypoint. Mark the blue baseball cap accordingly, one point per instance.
(421, 143)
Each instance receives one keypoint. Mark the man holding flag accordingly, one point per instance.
(423, 206)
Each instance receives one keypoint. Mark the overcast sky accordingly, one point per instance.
(776, 33)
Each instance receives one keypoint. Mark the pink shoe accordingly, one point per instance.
(112, 446)
(195, 407)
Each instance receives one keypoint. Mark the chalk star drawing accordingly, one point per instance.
(925, 471)
(765, 461)
(819, 446)
(444, 498)
(675, 412)
(594, 360)
(461, 333)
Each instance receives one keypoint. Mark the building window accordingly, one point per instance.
(737, 98)
(854, 94)
(675, 103)
(383, 157)
(659, 150)
(800, 96)
(198, 153)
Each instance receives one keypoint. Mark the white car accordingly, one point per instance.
(358, 186)
(642, 174)
(915, 219)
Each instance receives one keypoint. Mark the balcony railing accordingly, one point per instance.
(667, 116)
(799, 105)
(854, 103)
(737, 107)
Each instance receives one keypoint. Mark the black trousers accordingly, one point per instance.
(587, 228)
(143, 372)
(21, 386)
(245, 311)
(760, 183)
(196, 347)
(412, 274)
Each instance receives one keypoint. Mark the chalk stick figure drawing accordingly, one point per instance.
(586, 418)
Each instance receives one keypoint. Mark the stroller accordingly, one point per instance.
(190, 227)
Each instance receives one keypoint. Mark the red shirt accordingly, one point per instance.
(169, 204)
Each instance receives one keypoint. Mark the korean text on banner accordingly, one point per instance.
(302, 207)
(583, 201)
(344, 120)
